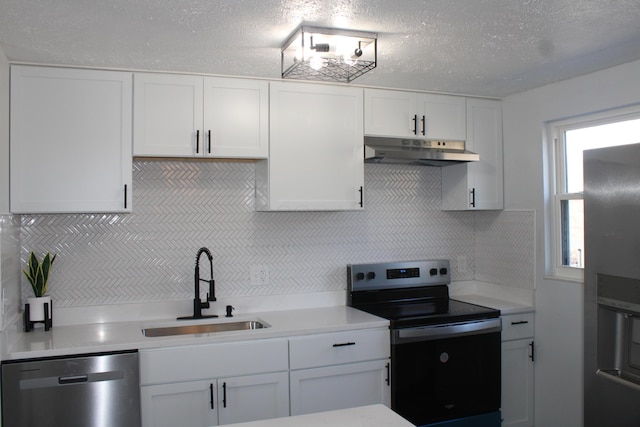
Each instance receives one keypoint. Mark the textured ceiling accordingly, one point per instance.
(478, 47)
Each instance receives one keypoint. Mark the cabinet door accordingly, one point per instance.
(484, 136)
(478, 185)
(252, 398)
(70, 140)
(236, 117)
(391, 113)
(340, 387)
(316, 150)
(442, 117)
(186, 404)
(168, 115)
(517, 384)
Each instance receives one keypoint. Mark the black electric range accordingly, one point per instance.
(445, 354)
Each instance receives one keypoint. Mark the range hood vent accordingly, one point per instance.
(416, 151)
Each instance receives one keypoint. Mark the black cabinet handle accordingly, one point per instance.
(415, 124)
(361, 197)
(209, 147)
(520, 322)
(388, 380)
(473, 197)
(125, 196)
(532, 355)
(198, 141)
(344, 344)
(224, 394)
(211, 394)
(424, 125)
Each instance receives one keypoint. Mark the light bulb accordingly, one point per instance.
(316, 62)
(349, 60)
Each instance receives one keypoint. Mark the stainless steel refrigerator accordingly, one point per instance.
(612, 287)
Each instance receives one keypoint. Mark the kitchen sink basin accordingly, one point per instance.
(203, 328)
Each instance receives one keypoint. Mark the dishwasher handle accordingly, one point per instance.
(448, 330)
(73, 379)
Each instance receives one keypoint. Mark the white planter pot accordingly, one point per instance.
(36, 308)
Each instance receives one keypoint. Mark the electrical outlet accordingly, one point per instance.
(462, 264)
(259, 275)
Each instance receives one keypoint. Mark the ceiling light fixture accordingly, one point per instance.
(328, 54)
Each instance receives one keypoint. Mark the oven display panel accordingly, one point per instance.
(403, 273)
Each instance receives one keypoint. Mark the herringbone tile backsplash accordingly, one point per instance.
(180, 206)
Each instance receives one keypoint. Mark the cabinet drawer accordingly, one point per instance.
(338, 348)
(191, 363)
(517, 326)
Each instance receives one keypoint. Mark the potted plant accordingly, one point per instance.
(38, 276)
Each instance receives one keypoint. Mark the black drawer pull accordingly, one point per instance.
(344, 344)
(73, 379)
(211, 394)
(520, 322)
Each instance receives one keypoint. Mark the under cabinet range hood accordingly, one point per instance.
(416, 151)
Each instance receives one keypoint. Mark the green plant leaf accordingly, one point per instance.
(38, 273)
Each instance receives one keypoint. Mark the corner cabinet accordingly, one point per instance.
(517, 370)
(70, 140)
(316, 151)
(478, 185)
(195, 116)
(402, 114)
(215, 384)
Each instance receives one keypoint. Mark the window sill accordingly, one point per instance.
(564, 279)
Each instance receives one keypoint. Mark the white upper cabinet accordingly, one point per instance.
(70, 140)
(195, 116)
(167, 115)
(414, 115)
(316, 151)
(478, 185)
(236, 117)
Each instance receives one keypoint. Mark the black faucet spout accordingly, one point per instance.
(198, 304)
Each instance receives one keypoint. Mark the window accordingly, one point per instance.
(570, 139)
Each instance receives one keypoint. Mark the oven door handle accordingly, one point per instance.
(448, 330)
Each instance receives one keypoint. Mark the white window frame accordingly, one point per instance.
(557, 179)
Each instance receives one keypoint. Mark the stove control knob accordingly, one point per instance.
(443, 271)
(371, 275)
(360, 276)
(433, 272)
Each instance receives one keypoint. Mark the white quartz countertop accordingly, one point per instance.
(117, 336)
(363, 416)
(504, 305)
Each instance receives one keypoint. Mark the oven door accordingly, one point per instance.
(447, 372)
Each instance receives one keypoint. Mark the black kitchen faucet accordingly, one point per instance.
(198, 305)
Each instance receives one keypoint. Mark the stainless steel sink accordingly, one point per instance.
(203, 328)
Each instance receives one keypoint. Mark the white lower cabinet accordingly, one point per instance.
(225, 383)
(340, 387)
(214, 384)
(256, 397)
(216, 401)
(339, 370)
(517, 370)
(179, 404)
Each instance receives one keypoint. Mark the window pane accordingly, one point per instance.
(572, 224)
(578, 140)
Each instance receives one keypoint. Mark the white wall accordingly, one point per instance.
(558, 396)
(4, 133)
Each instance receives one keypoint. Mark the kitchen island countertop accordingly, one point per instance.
(363, 416)
(118, 336)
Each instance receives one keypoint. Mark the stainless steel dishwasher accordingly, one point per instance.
(94, 390)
